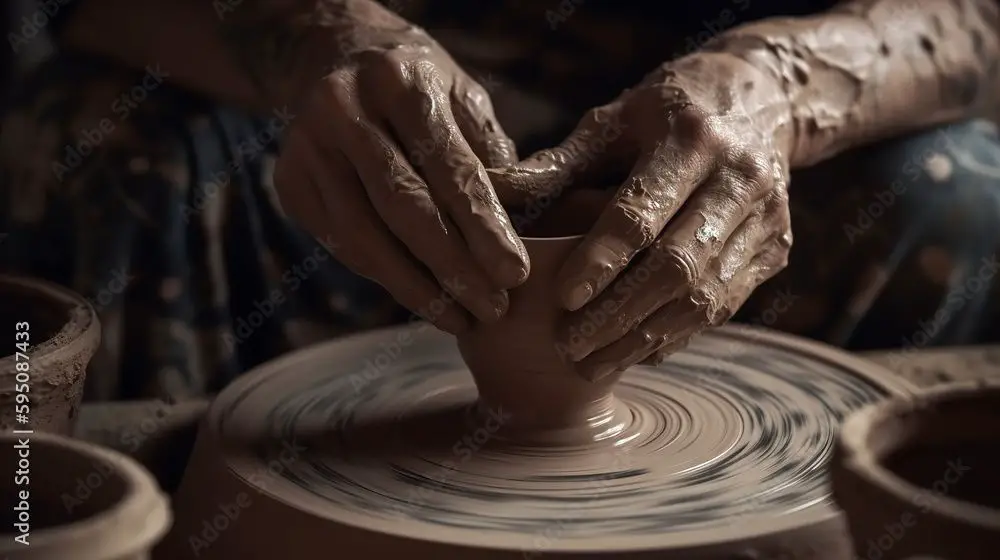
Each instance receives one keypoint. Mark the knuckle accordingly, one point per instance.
(778, 198)
(782, 251)
(678, 262)
(637, 226)
(709, 308)
(694, 127)
(339, 95)
(474, 95)
(382, 63)
(752, 167)
(425, 79)
(601, 116)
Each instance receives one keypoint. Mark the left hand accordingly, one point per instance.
(700, 222)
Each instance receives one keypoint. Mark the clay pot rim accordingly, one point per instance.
(867, 465)
(81, 328)
(128, 526)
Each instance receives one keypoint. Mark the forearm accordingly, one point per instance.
(288, 45)
(874, 68)
(181, 36)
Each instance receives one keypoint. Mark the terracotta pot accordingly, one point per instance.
(62, 333)
(77, 501)
(921, 475)
(517, 363)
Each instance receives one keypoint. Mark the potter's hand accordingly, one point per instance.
(384, 160)
(701, 220)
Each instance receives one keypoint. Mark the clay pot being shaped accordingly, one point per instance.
(77, 501)
(53, 333)
(920, 476)
(518, 366)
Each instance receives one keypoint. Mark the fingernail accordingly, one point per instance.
(512, 272)
(500, 302)
(578, 296)
(491, 308)
(599, 372)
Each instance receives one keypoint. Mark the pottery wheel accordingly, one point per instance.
(728, 441)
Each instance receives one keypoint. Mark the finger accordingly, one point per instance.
(674, 263)
(761, 268)
(361, 240)
(596, 143)
(675, 322)
(405, 205)
(422, 119)
(755, 251)
(479, 125)
(298, 196)
(660, 183)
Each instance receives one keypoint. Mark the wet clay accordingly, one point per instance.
(372, 444)
(520, 367)
(83, 502)
(849, 74)
(917, 476)
(62, 335)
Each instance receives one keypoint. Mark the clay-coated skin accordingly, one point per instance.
(707, 142)
(385, 155)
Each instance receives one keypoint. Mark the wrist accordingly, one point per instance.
(731, 84)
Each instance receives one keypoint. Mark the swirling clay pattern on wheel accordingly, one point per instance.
(730, 436)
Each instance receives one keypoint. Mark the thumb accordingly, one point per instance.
(581, 158)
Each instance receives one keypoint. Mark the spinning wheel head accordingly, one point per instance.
(722, 450)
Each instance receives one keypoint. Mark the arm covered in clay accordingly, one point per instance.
(706, 143)
(873, 68)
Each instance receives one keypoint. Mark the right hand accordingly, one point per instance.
(385, 159)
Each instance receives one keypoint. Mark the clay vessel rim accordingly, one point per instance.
(867, 465)
(126, 527)
(243, 465)
(81, 328)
